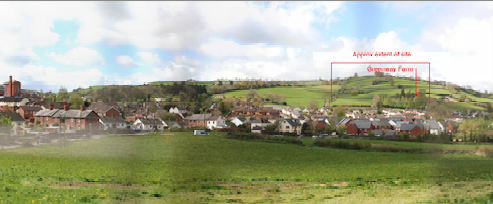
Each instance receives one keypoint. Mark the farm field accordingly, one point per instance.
(303, 95)
(182, 168)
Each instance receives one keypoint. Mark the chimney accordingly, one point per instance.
(10, 87)
(82, 108)
(65, 108)
(50, 106)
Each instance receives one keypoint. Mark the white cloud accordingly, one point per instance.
(79, 56)
(126, 61)
(150, 59)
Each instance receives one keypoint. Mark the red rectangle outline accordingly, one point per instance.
(429, 73)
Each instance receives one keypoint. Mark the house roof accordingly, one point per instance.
(292, 121)
(257, 128)
(204, 116)
(362, 124)
(176, 123)
(431, 124)
(377, 132)
(13, 116)
(100, 107)
(112, 120)
(214, 117)
(407, 126)
(150, 121)
(11, 99)
(56, 113)
(390, 132)
(452, 123)
(30, 108)
(256, 121)
(242, 119)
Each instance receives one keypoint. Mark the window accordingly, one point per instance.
(72, 120)
(287, 127)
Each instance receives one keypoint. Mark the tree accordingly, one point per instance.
(402, 93)
(355, 74)
(55, 124)
(37, 122)
(5, 126)
(152, 107)
(391, 82)
(341, 114)
(313, 104)
(75, 100)
(371, 134)
(342, 130)
(354, 92)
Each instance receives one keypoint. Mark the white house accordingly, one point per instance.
(216, 121)
(238, 121)
(112, 122)
(148, 124)
(178, 110)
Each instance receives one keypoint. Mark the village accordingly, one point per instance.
(31, 115)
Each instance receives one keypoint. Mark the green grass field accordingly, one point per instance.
(182, 168)
(301, 96)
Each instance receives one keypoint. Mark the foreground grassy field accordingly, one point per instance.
(183, 168)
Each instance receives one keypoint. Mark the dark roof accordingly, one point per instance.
(215, 117)
(30, 108)
(100, 107)
(11, 99)
(362, 124)
(291, 122)
(390, 132)
(377, 132)
(257, 128)
(407, 126)
(13, 116)
(175, 123)
(56, 113)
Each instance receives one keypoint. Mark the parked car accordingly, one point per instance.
(314, 136)
(301, 136)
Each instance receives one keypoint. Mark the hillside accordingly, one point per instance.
(302, 95)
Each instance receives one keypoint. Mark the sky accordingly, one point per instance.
(46, 45)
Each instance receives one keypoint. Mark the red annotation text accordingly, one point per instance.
(398, 69)
(381, 54)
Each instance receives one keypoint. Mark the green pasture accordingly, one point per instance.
(182, 168)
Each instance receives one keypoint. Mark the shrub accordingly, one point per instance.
(27, 144)
(38, 122)
(55, 124)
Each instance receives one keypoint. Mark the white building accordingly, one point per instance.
(216, 121)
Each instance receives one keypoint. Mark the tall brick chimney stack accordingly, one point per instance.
(11, 90)
(82, 108)
(65, 108)
(50, 106)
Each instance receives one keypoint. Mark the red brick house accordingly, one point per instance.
(197, 120)
(359, 127)
(319, 125)
(28, 111)
(412, 129)
(452, 127)
(104, 110)
(70, 119)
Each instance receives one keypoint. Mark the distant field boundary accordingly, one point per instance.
(429, 72)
